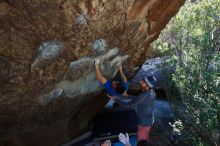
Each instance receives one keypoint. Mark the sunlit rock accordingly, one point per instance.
(79, 68)
(99, 46)
(47, 52)
(155, 67)
(81, 20)
(80, 78)
(80, 87)
(46, 98)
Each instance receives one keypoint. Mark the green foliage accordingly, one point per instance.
(190, 40)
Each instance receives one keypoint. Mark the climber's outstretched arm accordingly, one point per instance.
(123, 76)
(99, 74)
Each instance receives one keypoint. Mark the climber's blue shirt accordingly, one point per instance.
(111, 91)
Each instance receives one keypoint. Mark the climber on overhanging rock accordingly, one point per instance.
(112, 87)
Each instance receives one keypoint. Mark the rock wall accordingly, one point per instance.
(47, 50)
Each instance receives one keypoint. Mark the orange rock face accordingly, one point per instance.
(40, 91)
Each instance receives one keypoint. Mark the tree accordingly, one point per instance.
(192, 41)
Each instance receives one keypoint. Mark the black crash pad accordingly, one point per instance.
(114, 122)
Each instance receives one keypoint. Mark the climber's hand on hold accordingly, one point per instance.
(97, 62)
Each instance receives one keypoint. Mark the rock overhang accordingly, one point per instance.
(77, 31)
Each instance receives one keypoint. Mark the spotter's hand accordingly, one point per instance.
(124, 139)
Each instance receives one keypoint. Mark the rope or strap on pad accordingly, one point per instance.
(129, 101)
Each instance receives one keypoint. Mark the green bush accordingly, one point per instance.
(191, 41)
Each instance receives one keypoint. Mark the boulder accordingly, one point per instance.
(47, 49)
